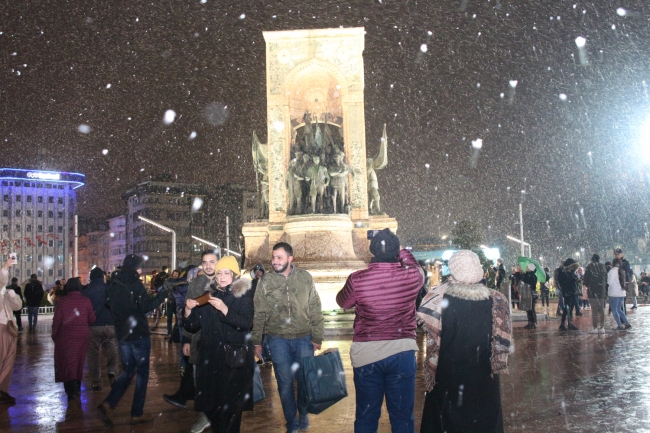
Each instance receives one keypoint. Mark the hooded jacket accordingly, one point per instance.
(96, 292)
(568, 279)
(596, 280)
(384, 299)
(33, 293)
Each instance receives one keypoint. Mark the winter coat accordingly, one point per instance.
(515, 279)
(218, 386)
(466, 396)
(569, 281)
(34, 293)
(596, 280)
(383, 297)
(627, 269)
(71, 333)
(616, 283)
(8, 298)
(129, 303)
(199, 285)
(96, 292)
(288, 307)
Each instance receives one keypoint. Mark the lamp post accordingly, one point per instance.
(216, 247)
(168, 230)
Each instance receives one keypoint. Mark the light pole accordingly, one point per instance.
(216, 247)
(168, 230)
(523, 245)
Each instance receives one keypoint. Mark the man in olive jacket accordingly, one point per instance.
(288, 310)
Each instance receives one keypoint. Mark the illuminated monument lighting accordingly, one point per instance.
(38, 209)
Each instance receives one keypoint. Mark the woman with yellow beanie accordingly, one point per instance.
(226, 362)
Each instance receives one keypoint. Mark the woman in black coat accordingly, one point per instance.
(223, 390)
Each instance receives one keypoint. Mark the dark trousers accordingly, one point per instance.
(576, 304)
(567, 311)
(170, 312)
(19, 321)
(225, 422)
(545, 297)
(135, 362)
(72, 388)
(532, 316)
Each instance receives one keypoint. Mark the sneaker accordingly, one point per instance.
(579, 314)
(627, 326)
(573, 328)
(594, 331)
(620, 328)
(304, 423)
(201, 424)
(145, 418)
(562, 328)
(103, 414)
(171, 399)
(601, 330)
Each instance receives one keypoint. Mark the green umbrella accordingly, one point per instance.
(539, 269)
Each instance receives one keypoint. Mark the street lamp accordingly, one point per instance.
(524, 244)
(168, 230)
(217, 247)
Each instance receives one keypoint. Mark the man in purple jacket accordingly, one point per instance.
(383, 349)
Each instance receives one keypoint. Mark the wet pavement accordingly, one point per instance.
(558, 382)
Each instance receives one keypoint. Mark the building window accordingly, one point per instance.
(40, 258)
(59, 272)
(5, 227)
(40, 272)
(50, 243)
(5, 213)
(18, 213)
(60, 229)
(60, 258)
(40, 199)
(50, 213)
(28, 257)
(40, 213)
(50, 199)
(59, 214)
(40, 228)
(17, 273)
(17, 227)
(28, 228)
(50, 272)
(50, 229)
(28, 213)
(59, 244)
(60, 200)
(29, 199)
(5, 197)
(71, 202)
(19, 198)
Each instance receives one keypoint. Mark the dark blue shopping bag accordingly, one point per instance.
(324, 380)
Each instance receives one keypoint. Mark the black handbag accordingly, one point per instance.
(236, 355)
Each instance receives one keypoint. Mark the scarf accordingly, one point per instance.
(429, 315)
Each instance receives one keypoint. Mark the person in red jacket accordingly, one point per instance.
(383, 348)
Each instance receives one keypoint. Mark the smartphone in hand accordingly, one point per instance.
(13, 258)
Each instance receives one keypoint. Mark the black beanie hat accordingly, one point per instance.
(385, 245)
(569, 261)
(133, 261)
(96, 273)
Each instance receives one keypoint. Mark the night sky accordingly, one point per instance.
(86, 84)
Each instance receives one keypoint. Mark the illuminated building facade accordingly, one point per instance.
(37, 221)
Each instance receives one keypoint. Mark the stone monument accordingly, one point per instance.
(314, 175)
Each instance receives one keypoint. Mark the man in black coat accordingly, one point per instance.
(627, 269)
(33, 297)
(567, 280)
(129, 303)
(17, 314)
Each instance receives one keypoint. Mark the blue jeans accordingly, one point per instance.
(32, 316)
(135, 359)
(616, 306)
(286, 355)
(393, 377)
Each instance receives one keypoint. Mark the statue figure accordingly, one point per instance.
(308, 132)
(377, 163)
(338, 172)
(294, 188)
(260, 162)
(318, 181)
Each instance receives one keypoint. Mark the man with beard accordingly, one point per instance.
(288, 309)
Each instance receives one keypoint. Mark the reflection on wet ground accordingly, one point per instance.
(570, 381)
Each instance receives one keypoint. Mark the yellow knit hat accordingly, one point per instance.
(229, 262)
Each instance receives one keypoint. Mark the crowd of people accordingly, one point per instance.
(581, 288)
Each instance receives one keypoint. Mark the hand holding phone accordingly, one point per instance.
(13, 258)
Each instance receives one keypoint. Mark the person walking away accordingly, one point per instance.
(383, 348)
(584, 297)
(129, 303)
(567, 279)
(33, 297)
(616, 293)
(17, 314)
(530, 281)
(224, 386)
(9, 302)
(462, 366)
(102, 332)
(596, 282)
(71, 334)
(288, 309)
